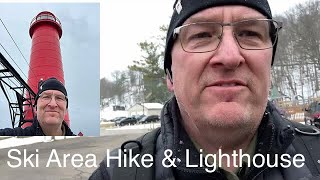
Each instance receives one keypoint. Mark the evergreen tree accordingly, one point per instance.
(151, 68)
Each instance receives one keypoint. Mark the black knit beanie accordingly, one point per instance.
(183, 9)
(51, 84)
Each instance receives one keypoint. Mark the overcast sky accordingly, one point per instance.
(80, 50)
(131, 22)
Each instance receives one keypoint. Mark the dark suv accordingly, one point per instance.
(151, 118)
(125, 121)
(312, 114)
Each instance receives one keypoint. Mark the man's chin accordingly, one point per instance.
(228, 115)
(227, 108)
(52, 121)
(229, 121)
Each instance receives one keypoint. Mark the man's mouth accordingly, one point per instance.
(229, 83)
(52, 111)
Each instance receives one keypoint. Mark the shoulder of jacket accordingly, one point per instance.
(8, 132)
(109, 167)
(68, 130)
(28, 131)
(306, 142)
(18, 131)
(305, 130)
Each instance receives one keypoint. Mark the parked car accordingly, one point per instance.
(312, 114)
(125, 121)
(151, 118)
(139, 117)
(116, 119)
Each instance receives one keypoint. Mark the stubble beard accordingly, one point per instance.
(227, 130)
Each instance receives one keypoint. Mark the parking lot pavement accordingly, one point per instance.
(70, 148)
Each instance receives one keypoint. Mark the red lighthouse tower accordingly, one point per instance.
(45, 59)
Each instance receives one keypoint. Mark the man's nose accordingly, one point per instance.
(53, 101)
(228, 54)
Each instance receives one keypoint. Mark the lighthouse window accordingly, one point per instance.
(51, 18)
(43, 17)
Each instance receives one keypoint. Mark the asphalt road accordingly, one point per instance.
(96, 146)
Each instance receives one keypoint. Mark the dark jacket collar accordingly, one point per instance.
(38, 130)
(274, 136)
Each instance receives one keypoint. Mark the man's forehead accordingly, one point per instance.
(52, 91)
(217, 13)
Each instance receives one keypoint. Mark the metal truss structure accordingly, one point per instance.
(16, 91)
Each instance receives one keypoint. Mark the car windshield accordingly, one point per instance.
(142, 119)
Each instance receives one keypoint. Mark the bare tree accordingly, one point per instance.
(295, 72)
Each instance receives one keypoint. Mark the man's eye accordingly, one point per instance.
(60, 98)
(46, 97)
(248, 33)
(201, 35)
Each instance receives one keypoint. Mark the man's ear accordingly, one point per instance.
(169, 83)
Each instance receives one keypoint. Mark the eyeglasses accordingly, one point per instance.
(253, 34)
(47, 97)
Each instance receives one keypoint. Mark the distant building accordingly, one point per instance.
(146, 109)
(111, 112)
(118, 108)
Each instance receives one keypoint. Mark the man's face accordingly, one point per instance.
(227, 87)
(51, 107)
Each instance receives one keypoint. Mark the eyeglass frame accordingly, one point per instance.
(276, 25)
(53, 95)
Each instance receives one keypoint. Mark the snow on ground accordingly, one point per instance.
(108, 114)
(14, 141)
(138, 126)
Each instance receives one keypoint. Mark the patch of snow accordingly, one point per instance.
(14, 141)
(138, 126)
(108, 113)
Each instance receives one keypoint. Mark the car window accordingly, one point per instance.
(144, 118)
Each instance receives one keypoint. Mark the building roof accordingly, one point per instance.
(148, 105)
(153, 105)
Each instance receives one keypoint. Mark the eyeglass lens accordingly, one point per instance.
(47, 97)
(206, 36)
